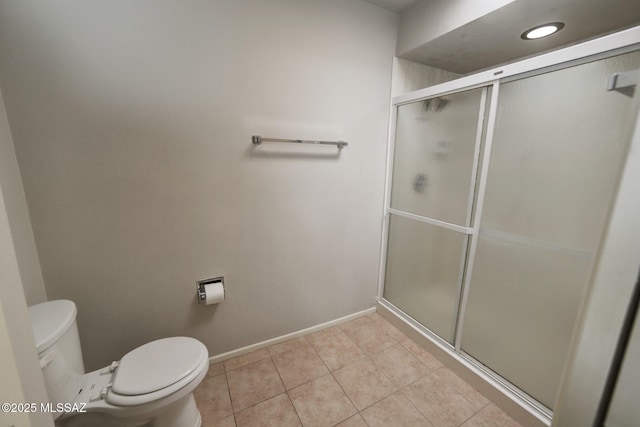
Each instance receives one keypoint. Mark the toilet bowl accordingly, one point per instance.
(151, 385)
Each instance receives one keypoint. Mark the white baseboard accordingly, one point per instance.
(238, 352)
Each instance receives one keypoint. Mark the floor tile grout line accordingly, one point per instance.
(465, 421)
(257, 403)
(263, 400)
(279, 376)
(382, 349)
(242, 366)
(228, 395)
(306, 382)
(366, 357)
(286, 391)
(269, 356)
(348, 418)
(370, 359)
(338, 382)
(233, 411)
(348, 397)
(233, 407)
(413, 404)
(476, 412)
(269, 398)
(320, 357)
(401, 388)
(377, 401)
(460, 392)
(294, 407)
(325, 363)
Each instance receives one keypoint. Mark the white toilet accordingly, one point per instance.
(150, 386)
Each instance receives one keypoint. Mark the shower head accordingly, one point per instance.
(435, 104)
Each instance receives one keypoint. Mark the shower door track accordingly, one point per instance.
(607, 46)
(535, 408)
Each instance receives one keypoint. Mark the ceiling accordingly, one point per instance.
(495, 38)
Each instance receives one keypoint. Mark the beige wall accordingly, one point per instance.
(409, 76)
(11, 388)
(427, 20)
(18, 215)
(20, 376)
(132, 123)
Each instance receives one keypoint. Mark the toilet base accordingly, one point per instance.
(183, 413)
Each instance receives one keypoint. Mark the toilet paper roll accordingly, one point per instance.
(214, 293)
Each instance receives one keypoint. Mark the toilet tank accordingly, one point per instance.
(56, 335)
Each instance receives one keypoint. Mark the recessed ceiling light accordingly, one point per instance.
(543, 30)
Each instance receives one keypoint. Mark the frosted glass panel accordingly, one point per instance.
(423, 273)
(434, 155)
(560, 141)
(523, 304)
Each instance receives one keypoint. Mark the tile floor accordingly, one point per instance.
(361, 373)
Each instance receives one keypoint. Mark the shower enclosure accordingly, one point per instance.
(499, 191)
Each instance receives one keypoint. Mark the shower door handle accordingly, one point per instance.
(623, 82)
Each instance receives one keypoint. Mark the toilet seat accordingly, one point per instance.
(156, 370)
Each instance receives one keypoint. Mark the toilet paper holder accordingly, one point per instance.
(200, 284)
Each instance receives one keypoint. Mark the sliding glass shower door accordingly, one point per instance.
(493, 251)
(558, 148)
(435, 157)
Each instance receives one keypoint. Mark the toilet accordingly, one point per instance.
(150, 386)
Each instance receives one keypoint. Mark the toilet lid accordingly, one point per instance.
(157, 365)
(50, 320)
